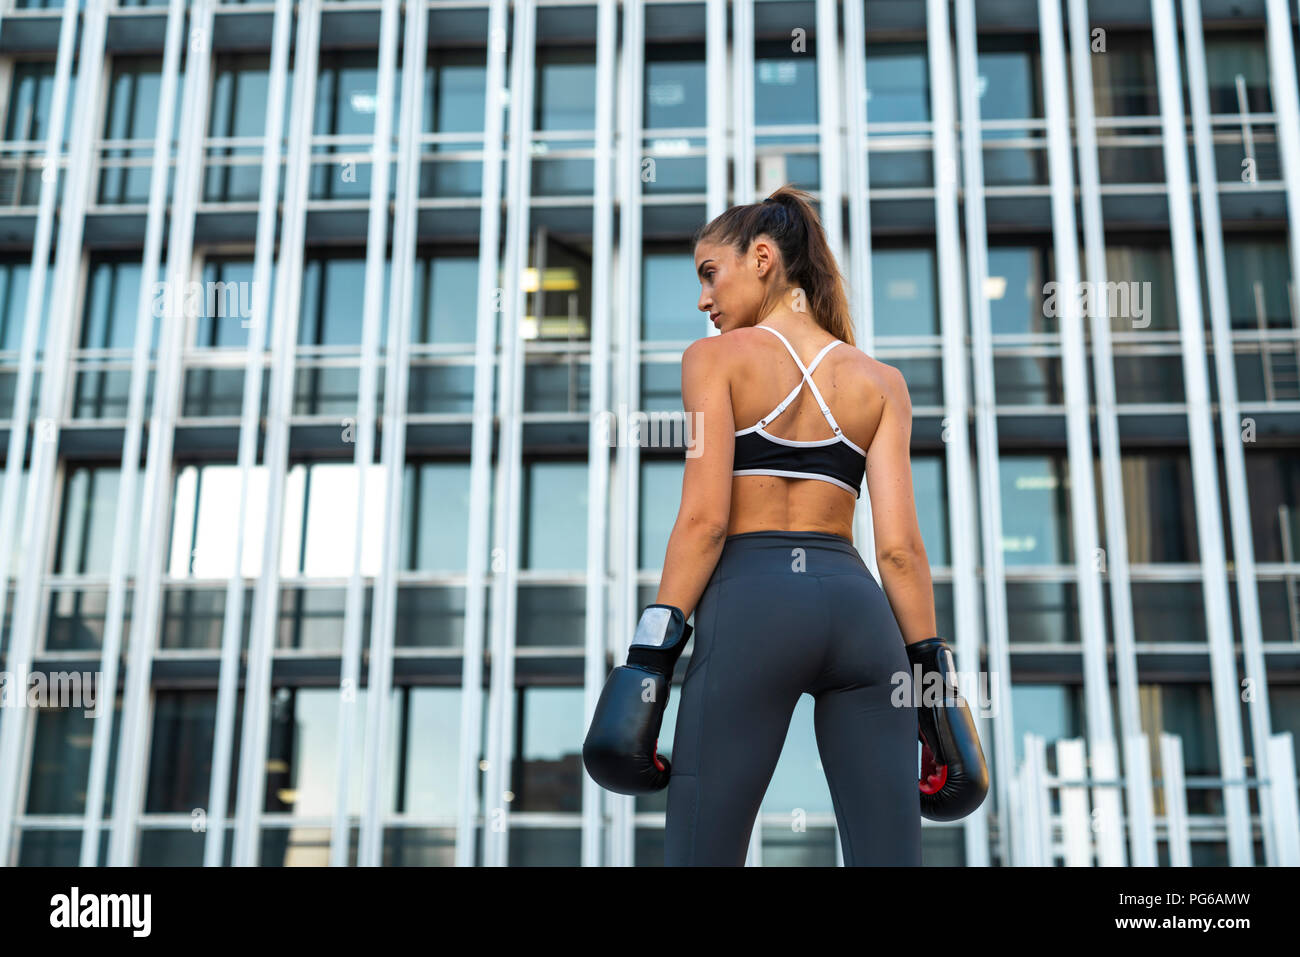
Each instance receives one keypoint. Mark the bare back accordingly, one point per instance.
(855, 386)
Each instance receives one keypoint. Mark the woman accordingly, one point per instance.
(788, 416)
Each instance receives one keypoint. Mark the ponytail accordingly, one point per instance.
(789, 217)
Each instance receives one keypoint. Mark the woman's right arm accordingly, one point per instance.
(900, 552)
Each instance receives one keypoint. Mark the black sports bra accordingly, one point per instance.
(836, 460)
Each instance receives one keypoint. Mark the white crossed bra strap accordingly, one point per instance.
(806, 371)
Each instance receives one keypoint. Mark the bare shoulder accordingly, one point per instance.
(880, 378)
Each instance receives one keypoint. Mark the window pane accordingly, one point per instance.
(555, 524)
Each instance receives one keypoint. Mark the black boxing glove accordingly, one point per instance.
(620, 750)
(954, 778)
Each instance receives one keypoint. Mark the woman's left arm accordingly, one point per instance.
(703, 517)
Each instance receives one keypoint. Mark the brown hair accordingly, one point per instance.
(789, 217)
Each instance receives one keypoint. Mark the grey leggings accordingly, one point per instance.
(786, 613)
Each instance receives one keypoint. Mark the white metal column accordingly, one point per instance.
(250, 426)
(1205, 479)
(1102, 751)
(133, 745)
(975, 827)
(254, 730)
(39, 507)
(506, 533)
(383, 623)
(490, 306)
(127, 517)
(11, 757)
(1234, 459)
(1286, 107)
(381, 152)
(1137, 773)
(961, 505)
(602, 427)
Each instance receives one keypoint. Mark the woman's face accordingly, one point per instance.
(731, 291)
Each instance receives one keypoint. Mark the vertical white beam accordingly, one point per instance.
(254, 730)
(745, 189)
(858, 183)
(127, 516)
(250, 425)
(829, 125)
(133, 745)
(1282, 794)
(1205, 478)
(384, 617)
(1083, 496)
(961, 506)
(602, 427)
(1137, 778)
(1175, 794)
(988, 470)
(1234, 459)
(1286, 107)
(489, 308)
(39, 506)
(506, 534)
(715, 163)
(364, 455)
(19, 655)
(1076, 821)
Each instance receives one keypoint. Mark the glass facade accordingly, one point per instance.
(322, 507)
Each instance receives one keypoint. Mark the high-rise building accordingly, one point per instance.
(339, 355)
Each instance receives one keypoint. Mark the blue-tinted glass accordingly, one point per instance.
(240, 88)
(666, 315)
(226, 310)
(60, 768)
(346, 87)
(455, 94)
(556, 521)
(1035, 527)
(87, 521)
(1230, 57)
(436, 529)
(547, 772)
(785, 88)
(661, 494)
(898, 83)
(31, 92)
(1014, 291)
(333, 302)
(112, 300)
(14, 282)
(675, 93)
(1259, 271)
(1006, 87)
(446, 299)
(903, 292)
(430, 723)
(1052, 711)
(930, 493)
(566, 90)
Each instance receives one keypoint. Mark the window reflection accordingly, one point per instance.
(1035, 510)
(555, 521)
(903, 292)
(546, 774)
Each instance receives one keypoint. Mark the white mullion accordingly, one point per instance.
(602, 428)
(383, 617)
(10, 759)
(128, 791)
(480, 490)
(127, 514)
(961, 508)
(1205, 479)
(261, 648)
(364, 454)
(744, 189)
(832, 145)
(496, 839)
(858, 182)
(1137, 773)
(38, 508)
(1083, 498)
(1229, 414)
(1286, 107)
(975, 826)
(249, 431)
